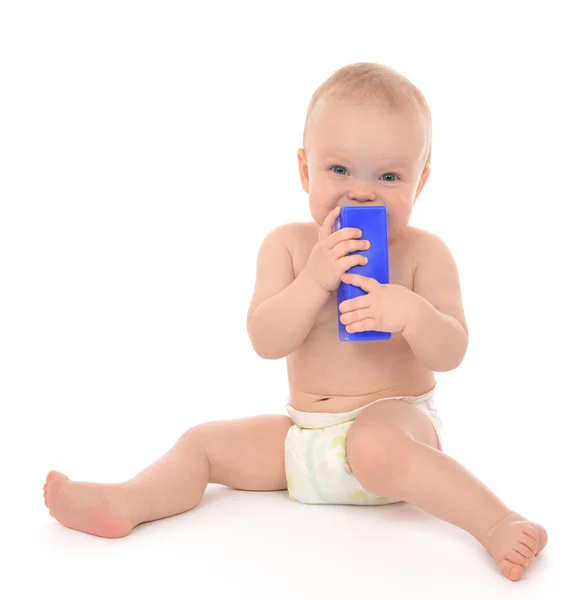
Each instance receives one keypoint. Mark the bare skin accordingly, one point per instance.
(321, 362)
(246, 454)
(293, 314)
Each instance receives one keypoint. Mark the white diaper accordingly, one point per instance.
(317, 471)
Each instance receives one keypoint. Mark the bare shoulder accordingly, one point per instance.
(293, 233)
(282, 241)
(300, 239)
(426, 246)
(301, 230)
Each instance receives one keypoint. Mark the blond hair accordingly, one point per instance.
(373, 81)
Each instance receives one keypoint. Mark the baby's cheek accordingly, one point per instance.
(401, 209)
(320, 208)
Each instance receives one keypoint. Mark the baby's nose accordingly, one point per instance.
(362, 196)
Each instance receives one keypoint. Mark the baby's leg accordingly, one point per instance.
(246, 454)
(392, 450)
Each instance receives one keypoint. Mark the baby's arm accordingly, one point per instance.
(283, 309)
(437, 330)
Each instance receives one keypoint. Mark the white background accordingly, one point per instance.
(146, 149)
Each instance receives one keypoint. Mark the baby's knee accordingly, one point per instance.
(376, 451)
(195, 436)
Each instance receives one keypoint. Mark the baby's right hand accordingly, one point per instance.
(328, 260)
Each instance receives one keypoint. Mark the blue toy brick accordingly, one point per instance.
(372, 221)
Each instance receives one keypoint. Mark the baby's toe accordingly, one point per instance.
(53, 487)
(53, 475)
(528, 544)
(525, 551)
(542, 537)
(511, 570)
(517, 556)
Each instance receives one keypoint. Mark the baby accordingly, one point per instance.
(362, 428)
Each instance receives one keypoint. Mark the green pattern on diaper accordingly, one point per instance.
(362, 497)
(289, 485)
(358, 496)
(340, 440)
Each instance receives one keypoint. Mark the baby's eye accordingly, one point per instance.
(389, 177)
(339, 170)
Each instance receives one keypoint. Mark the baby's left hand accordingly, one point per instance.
(385, 307)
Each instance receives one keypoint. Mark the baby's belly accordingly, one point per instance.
(333, 376)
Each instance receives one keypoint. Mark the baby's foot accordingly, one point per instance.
(514, 542)
(96, 508)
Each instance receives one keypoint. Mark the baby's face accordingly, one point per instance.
(361, 154)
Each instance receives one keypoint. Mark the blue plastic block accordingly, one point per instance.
(372, 221)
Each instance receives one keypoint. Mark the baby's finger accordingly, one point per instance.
(347, 233)
(328, 224)
(368, 284)
(346, 246)
(353, 260)
(355, 304)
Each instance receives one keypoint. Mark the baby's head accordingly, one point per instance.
(367, 140)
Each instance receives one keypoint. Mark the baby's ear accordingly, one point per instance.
(303, 169)
(421, 183)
